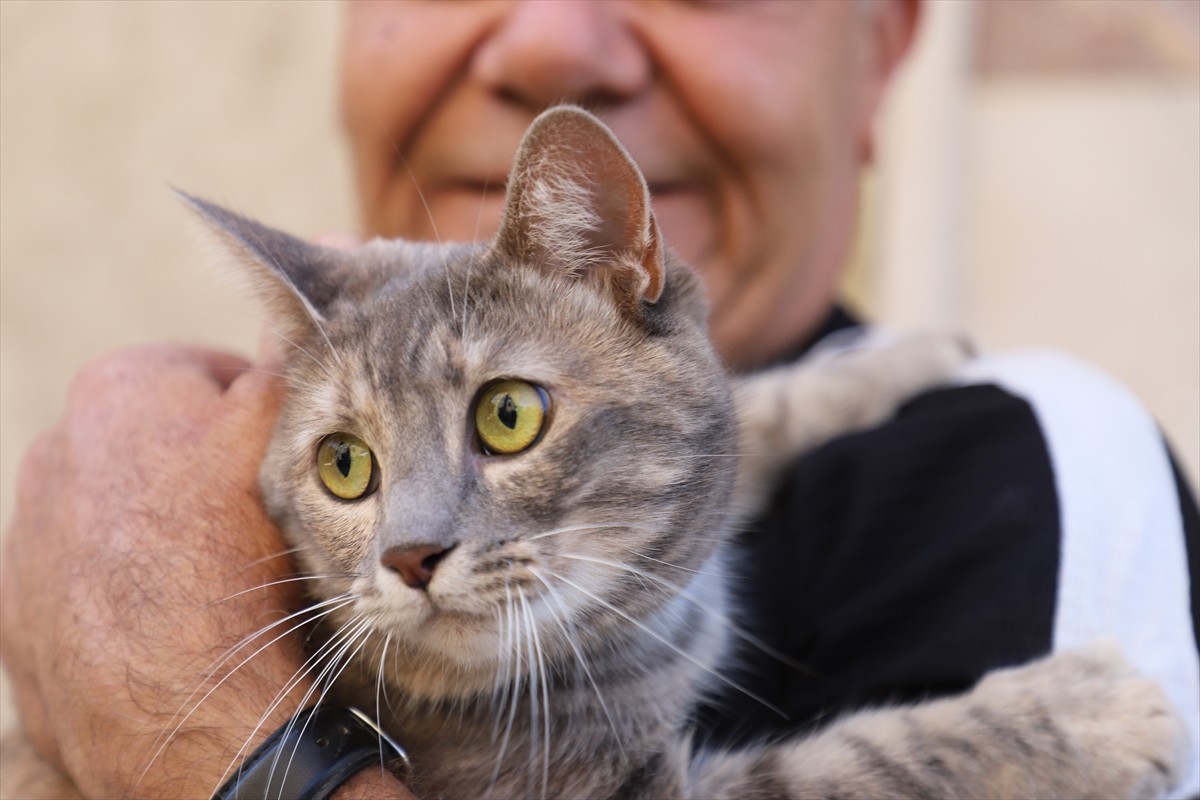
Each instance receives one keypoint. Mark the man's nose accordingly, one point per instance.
(542, 53)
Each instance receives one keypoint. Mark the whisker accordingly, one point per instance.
(325, 685)
(421, 195)
(333, 601)
(471, 262)
(683, 592)
(739, 454)
(387, 701)
(379, 690)
(533, 696)
(500, 688)
(667, 564)
(537, 647)
(261, 371)
(571, 638)
(313, 316)
(479, 208)
(686, 456)
(516, 678)
(279, 554)
(449, 285)
(268, 585)
(229, 654)
(577, 528)
(304, 351)
(663, 640)
(428, 211)
(297, 676)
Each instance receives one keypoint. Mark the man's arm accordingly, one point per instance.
(140, 557)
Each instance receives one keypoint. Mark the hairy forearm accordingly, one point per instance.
(373, 784)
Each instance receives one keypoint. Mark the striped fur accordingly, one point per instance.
(582, 611)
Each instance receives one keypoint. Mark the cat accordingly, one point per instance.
(519, 465)
(513, 471)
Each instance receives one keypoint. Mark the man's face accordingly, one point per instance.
(750, 119)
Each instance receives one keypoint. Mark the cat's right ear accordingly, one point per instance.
(578, 204)
(298, 282)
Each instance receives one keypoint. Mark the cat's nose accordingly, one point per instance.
(415, 563)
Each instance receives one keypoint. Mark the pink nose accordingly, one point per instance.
(414, 564)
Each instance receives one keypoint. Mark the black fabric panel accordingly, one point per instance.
(1191, 537)
(897, 564)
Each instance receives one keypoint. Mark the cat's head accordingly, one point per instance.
(484, 442)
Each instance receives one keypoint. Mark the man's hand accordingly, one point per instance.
(138, 524)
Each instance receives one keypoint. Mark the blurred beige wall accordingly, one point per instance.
(1051, 207)
(1040, 185)
(102, 106)
(106, 105)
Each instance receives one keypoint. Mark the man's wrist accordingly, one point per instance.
(217, 733)
(373, 783)
(312, 754)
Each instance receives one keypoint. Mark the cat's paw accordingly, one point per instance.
(1091, 703)
(929, 358)
(892, 373)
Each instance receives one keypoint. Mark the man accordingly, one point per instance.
(896, 564)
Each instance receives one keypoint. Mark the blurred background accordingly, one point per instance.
(1039, 184)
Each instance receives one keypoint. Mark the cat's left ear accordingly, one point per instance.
(297, 281)
(578, 203)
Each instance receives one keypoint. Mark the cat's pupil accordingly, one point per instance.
(342, 460)
(507, 412)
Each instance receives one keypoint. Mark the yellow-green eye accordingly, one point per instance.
(509, 416)
(345, 466)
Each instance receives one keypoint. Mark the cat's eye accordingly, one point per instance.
(346, 466)
(510, 415)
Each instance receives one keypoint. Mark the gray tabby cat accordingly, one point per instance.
(514, 469)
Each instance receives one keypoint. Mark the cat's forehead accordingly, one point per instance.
(442, 312)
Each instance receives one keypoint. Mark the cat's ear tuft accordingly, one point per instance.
(578, 203)
(297, 281)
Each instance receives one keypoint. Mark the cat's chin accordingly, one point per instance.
(450, 630)
(465, 640)
(449, 659)
(437, 683)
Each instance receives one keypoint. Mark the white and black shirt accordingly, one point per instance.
(1030, 509)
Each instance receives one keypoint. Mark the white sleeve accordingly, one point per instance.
(1124, 565)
